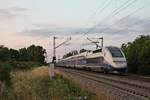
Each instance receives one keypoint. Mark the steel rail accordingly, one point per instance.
(136, 90)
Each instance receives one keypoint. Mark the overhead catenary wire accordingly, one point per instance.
(99, 9)
(122, 7)
(115, 13)
(137, 10)
(127, 4)
(136, 23)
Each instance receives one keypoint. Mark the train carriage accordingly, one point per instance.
(106, 59)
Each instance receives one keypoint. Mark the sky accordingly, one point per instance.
(27, 22)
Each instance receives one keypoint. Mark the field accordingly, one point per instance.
(35, 84)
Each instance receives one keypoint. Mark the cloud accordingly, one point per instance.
(134, 25)
(125, 26)
(11, 12)
(128, 25)
(18, 9)
(45, 30)
(53, 30)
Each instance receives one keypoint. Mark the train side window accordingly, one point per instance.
(95, 60)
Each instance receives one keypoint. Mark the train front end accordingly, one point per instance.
(117, 60)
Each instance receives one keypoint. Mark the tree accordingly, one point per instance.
(138, 55)
(5, 70)
(82, 50)
(32, 53)
(75, 52)
(14, 54)
(4, 53)
(23, 56)
(36, 54)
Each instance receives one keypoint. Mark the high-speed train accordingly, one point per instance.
(106, 59)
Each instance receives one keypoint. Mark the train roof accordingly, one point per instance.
(78, 55)
(85, 54)
(89, 54)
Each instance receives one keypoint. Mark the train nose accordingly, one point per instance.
(120, 64)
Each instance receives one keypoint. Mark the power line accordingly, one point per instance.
(136, 23)
(137, 10)
(116, 11)
(105, 6)
(111, 14)
(55, 47)
(126, 2)
(101, 10)
(124, 8)
(96, 42)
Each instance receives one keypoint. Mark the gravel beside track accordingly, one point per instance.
(113, 86)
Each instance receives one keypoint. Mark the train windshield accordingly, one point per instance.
(115, 52)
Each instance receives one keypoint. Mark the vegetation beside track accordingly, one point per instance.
(35, 84)
(22, 59)
(138, 55)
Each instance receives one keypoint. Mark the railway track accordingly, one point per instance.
(135, 89)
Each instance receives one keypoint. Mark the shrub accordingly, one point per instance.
(5, 70)
(138, 55)
(24, 65)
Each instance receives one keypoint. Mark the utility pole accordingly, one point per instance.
(55, 47)
(54, 50)
(53, 64)
(92, 40)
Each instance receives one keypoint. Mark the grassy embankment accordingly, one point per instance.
(35, 85)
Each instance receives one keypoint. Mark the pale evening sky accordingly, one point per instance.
(26, 22)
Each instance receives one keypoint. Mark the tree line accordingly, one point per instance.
(138, 55)
(32, 53)
(24, 58)
(74, 52)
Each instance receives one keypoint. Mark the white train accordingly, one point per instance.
(106, 60)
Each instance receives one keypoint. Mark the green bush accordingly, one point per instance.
(7, 67)
(24, 65)
(138, 55)
(5, 70)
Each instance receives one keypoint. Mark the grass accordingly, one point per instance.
(18, 65)
(7, 67)
(35, 84)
